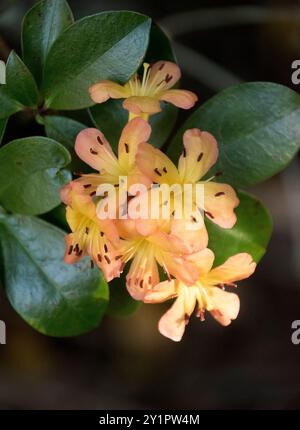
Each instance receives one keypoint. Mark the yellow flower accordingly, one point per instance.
(142, 97)
(200, 153)
(90, 235)
(207, 293)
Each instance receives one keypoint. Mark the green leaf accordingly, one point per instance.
(109, 45)
(251, 233)
(31, 175)
(257, 126)
(54, 298)
(111, 118)
(121, 304)
(3, 123)
(160, 47)
(65, 130)
(8, 106)
(42, 25)
(20, 82)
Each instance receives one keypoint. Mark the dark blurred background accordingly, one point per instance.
(126, 363)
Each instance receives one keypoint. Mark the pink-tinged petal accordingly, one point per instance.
(178, 266)
(105, 255)
(236, 268)
(143, 275)
(142, 104)
(226, 306)
(161, 292)
(199, 155)
(73, 253)
(105, 90)
(172, 323)
(156, 165)
(92, 147)
(193, 233)
(168, 242)
(181, 98)
(220, 200)
(203, 260)
(163, 75)
(135, 132)
(147, 227)
(65, 194)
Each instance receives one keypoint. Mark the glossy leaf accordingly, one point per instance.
(109, 45)
(110, 118)
(251, 233)
(20, 82)
(54, 298)
(31, 175)
(8, 105)
(257, 126)
(64, 130)
(42, 25)
(160, 47)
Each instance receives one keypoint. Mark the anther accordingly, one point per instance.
(221, 193)
(157, 171)
(126, 148)
(200, 157)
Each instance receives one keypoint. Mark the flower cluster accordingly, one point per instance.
(169, 255)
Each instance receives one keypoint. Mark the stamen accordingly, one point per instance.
(99, 140)
(118, 257)
(168, 78)
(141, 283)
(200, 157)
(126, 148)
(70, 249)
(87, 185)
(92, 151)
(101, 233)
(87, 230)
(209, 214)
(105, 248)
(93, 193)
(161, 66)
(157, 171)
(221, 193)
(99, 258)
(107, 259)
(165, 170)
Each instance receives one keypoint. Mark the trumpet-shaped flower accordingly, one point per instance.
(92, 147)
(146, 253)
(142, 97)
(200, 153)
(207, 293)
(89, 236)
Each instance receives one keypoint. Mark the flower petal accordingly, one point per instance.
(226, 305)
(220, 200)
(203, 260)
(161, 292)
(143, 274)
(72, 253)
(156, 165)
(181, 98)
(193, 233)
(135, 132)
(92, 147)
(199, 155)
(142, 104)
(163, 75)
(235, 268)
(105, 90)
(172, 323)
(178, 266)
